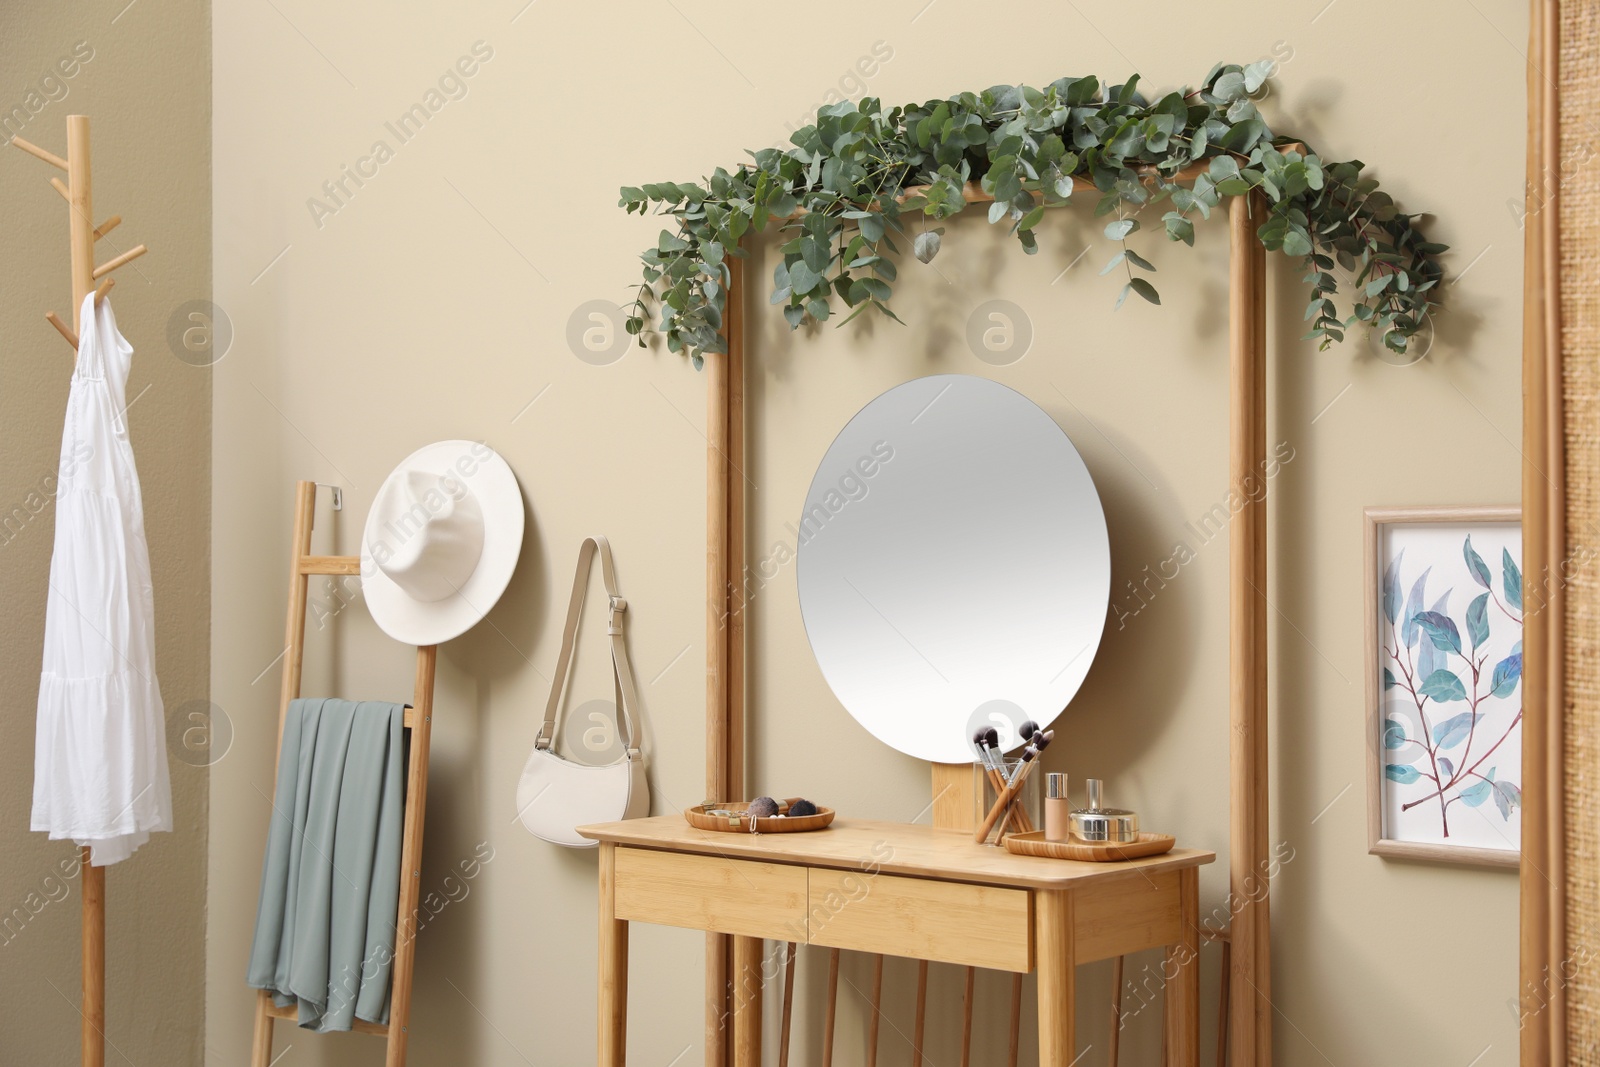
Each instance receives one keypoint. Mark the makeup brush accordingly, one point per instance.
(1041, 741)
(1003, 803)
(987, 742)
(1028, 731)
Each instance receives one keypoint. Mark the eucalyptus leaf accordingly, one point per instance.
(1401, 774)
(1408, 629)
(1453, 730)
(1506, 674)
(1441, 629)
(1512, 579)
(1145, 289)
(1443, 686)
(1394, 734)
(1121, 228)
(1475, 565)
(1507, 797)
(1230, 86)
(1391, 587)
(1475, 794)
(1478, 620)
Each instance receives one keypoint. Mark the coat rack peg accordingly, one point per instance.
(105, 287)
(107, 226)
(34, 150)
(61, 187)
(127, 257)
(66, 331)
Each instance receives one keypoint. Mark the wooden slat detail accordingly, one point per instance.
(947, 922)
(330, 565)
(360, 1026)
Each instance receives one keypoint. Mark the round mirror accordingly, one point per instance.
(954, 569)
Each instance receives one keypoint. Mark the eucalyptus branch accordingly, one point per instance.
(844, 182)
(1411, 804)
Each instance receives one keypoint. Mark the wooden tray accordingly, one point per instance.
(740, 823)
(1034, 844)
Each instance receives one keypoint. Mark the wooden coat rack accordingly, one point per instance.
(82, 234)
(1249, 1031)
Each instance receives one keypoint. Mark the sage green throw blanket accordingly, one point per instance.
(330, 883)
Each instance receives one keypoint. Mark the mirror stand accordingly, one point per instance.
(1250, 1014)
(954, 806)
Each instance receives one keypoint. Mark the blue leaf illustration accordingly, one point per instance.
(1441, 630)
(1408, 628)
(1508, 798)
(1391, 588)
(1449, 768)
(1404, 775)
(1475, 794)
(1453, 730)
(1475, 564)
(1478, 620)
(1430, 659)
(1394, 734)
(1443, 686)
(1513, 579)
(1506, 674)
(1389, 681)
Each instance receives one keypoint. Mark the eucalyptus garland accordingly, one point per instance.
(861, 176)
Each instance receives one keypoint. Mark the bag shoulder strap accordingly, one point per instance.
(621, 670)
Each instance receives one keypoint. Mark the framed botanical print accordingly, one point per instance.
(1444, 605)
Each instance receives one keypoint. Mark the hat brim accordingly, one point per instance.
(418, 622)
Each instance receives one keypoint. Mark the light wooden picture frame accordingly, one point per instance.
(1443, 681)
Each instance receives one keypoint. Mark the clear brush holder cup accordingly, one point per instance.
(988, 786)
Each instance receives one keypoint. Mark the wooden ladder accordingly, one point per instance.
(419, 721)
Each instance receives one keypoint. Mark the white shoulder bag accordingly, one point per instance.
(555, 795)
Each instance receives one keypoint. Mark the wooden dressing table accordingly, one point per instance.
(898, 889)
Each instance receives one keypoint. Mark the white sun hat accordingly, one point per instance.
(441, 541)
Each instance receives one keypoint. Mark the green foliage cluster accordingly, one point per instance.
(860, 177)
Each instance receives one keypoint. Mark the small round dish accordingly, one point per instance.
(736, 821)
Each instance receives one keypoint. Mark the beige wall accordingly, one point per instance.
(146, 87)
(435, 302)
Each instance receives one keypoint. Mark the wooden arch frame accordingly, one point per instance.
(1542, 988)
(1250, 1016)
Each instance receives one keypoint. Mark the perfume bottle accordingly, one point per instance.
(1099, 824)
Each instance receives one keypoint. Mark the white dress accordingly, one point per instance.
(100, 760)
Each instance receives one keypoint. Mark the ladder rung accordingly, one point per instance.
(330, 564)
(360, 1026)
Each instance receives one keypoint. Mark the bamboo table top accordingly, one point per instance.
(890, 847)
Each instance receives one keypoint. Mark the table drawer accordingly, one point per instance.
(723, 896)
(949, 922)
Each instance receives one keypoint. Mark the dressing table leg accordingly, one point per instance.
(1182, 971)
(1053, 953)
(612, 1043)
(747, 1001)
